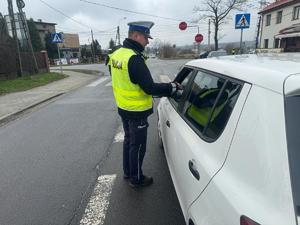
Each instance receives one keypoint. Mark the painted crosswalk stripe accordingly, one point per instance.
(95, 211)
(108, 84)
(97, 82)
(164, 78)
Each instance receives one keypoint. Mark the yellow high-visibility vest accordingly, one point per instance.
(128, 95)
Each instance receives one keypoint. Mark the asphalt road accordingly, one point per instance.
(63, 161)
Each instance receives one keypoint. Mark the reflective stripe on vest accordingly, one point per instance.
(128, 95)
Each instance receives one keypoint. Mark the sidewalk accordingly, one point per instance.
(15, 103)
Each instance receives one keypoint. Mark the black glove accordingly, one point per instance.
(176, 87)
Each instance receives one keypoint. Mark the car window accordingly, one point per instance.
(210, 104)
(223, 110)
(183, 78)
(199, 104)
(292, 112)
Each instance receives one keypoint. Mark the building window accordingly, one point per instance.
(268, 22)
(266, 43)
(296, 12)
(279, 17)
(276, 43)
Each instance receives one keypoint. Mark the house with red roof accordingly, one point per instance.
(280, 26)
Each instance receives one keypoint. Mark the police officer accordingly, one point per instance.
(133, 88)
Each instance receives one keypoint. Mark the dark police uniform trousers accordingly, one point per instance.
(134, 147)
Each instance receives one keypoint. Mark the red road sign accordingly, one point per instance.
(199, 38)
(182, 25)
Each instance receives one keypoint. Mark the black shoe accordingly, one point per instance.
(146, 181)
(126, 177)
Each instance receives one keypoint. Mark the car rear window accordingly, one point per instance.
(210, 103)
(292, 113)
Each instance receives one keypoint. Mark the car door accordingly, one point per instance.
(199, 135)
(183, 77)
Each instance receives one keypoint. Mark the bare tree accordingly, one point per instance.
(218, 11)
(155, 45)
(167, 50)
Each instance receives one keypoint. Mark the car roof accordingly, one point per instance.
(266, 70)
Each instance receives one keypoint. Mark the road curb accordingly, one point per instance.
(12, 115)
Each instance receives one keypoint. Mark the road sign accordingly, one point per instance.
(182, 25)
(242, 21)
(57, 38)
(198, 38)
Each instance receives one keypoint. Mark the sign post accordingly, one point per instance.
(57, 38)
(198, 38)
(242, 21)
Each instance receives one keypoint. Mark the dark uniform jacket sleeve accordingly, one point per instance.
(140, 74)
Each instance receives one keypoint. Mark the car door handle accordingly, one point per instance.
(193, 170)
(168, 123)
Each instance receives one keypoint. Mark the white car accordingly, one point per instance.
(232, 140)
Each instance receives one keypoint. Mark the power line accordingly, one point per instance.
(57, 10)
(76, 21)
(130, 11)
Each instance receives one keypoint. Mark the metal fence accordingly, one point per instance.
(8, 57)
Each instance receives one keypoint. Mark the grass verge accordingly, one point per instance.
(28, 82)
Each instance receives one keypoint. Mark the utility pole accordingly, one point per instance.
(118, 35)
(209, 34)
(15, 37)
(198, 44)
(262, 4)
(3, 28)
(92, 46)
(21, 5)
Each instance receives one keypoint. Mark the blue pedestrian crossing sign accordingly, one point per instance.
(57, 38)
(242, 21)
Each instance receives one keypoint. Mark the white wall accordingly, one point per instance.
(268, 32)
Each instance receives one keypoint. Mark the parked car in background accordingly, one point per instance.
(231, 140)
(203, 55)
(252, 51)
(220, 52)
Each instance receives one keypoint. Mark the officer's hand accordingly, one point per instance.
(178, 86)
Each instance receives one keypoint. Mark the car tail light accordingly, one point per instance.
(247, 221)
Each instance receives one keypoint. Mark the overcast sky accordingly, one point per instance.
(104, 20)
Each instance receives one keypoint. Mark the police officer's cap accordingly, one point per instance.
(142, 27)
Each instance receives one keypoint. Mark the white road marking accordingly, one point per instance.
(119, 137)
(165, 78)
(108, 84)
(95, 211)
(97, 82)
